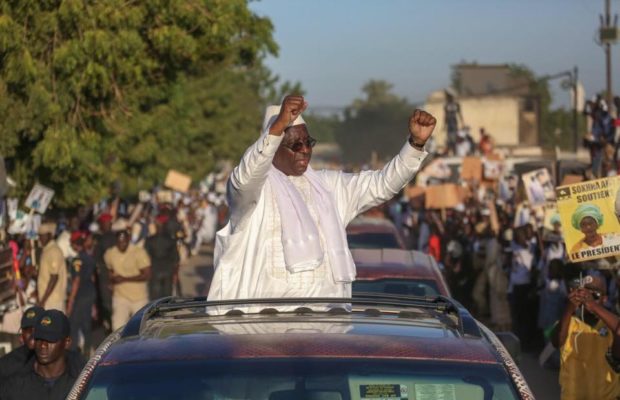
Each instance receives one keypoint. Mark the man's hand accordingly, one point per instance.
(292, 107)
(575, 298)
(421, 125)
(586, 298)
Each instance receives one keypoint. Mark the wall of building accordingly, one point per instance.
(499, 115)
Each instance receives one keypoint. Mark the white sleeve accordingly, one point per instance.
(356, 193)
(247, 179)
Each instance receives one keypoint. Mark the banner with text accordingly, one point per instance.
(589, 223)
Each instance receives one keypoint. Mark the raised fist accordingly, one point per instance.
(421, 125)
(292, 107)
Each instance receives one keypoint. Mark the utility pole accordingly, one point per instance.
(608, 36)
(575, 82)
(608, 52)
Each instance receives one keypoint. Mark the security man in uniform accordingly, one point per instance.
(19, 357)
(49, 375)
(83, 290)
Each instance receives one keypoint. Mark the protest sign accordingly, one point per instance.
(33, 223)
(570, 179)
(39, 198)
(443, 196)
(589, 223)
(492, 169)
(177, 181)
(413, 192)
(471, 169)
(165, 196)
(523, 215)
(12, 204)
(551, 215)
(19, 224)
(538, 187)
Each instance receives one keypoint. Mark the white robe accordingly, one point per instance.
(249, 259)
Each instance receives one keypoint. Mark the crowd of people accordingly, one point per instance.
(95, 269)
(602, 139)
(511, 269)
(500, 260)
(109, 261)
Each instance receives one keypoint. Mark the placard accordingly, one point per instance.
(492, 169)
(443, 196)
(178, 181)
(570, 179)
(538, 187)
(414, 191)
(165, 196)
(471, 168)
(589, 223)
(551, 215)
(39, 198)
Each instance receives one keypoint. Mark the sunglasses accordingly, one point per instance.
(299, 145)
(596, 295)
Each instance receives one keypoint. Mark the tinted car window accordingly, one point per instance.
(397, 286)
(372, 241)
(315, 379)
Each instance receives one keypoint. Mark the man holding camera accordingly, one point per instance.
(584, 336)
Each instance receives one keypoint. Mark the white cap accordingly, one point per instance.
(48, 227)
(272, 112)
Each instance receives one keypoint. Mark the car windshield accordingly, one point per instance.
(397, 286)
(373, 241)
(310, 379)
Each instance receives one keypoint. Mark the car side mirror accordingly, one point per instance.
(512, 344)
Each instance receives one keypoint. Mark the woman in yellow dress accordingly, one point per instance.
(587, 218)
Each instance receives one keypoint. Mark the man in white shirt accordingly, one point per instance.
(286, 234)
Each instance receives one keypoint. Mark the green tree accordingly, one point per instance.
(323, 127)
(556, 127)
(93, 92)
(376, 123)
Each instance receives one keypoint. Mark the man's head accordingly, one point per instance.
(52, 337)
(77, 240)
(122, 240)
(294, 154)
(105, 222)
(30, 317)
(597, 288)
(46, 233)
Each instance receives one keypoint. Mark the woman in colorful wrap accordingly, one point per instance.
(587, 218)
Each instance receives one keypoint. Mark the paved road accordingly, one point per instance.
(195, 277)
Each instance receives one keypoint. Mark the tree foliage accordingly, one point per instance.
(94, 92)
(323, 127)
(376, 123)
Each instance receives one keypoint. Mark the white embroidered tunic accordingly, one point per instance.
(249, 257)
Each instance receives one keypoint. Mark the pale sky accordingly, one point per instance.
(334, 46)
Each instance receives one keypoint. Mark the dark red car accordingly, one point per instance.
(370, 347)
(401, 272)
(373, 233)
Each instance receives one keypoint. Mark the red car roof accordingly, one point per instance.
(376, 264)
(209, 346)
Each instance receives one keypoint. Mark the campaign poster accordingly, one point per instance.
(538, 187)
(551, 216)
(589, 214)
(39, 198)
